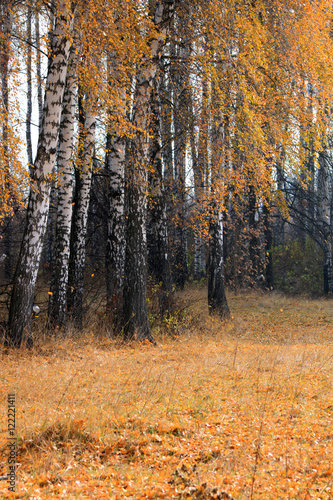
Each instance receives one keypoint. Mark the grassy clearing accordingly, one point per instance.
(243, 408)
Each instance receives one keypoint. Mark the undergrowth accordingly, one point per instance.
(241, 409)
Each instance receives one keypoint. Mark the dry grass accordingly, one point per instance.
(244, 407)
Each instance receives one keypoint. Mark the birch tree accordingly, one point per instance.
(41, 177)
(325, 201)
(199, 156)
(217, 301)
(115, 249)
(135, 317)
(157, 233)
(29, 85)
(83, 178)
(38, 72)
(180, 111)
(58, 297)
(115, 166)
(5, 20)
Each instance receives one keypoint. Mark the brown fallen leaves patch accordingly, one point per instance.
(220, 413)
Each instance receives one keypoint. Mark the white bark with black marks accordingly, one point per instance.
(83, 178)
(41, 177)
(157, 228)
(29, 89)
(58, 300)
(39, 73)
(115, 249)
(199, 164)
(325, 200)
(6, 189)
(180, 107)
(217, 301)
(115, 245)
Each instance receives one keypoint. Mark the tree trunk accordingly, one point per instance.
(115, 246)
(58, 300)
(217, 301)
(199, 165)
(83, 177)
(135, 315)
(268, 248)
(6, 190)
(41, 176)
(254, 243)
(324, 188)
(39, 74)
(29, 90)
(135, 318)
(180, 112)
(157, 235)
(165, 96)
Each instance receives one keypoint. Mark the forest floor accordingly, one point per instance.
(243, 408)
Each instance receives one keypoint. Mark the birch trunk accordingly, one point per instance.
(180, 113)
(135, 317)
(165, 93)
(325, 199)
(41, 176)
(83, 178)
(158, 245)
(39, 74)
(58, 300)
(217, 301)
(268, 234)
(180, 268)
(199, 257)
(199, 165)
(254, 243)
(5, 19)
(29, 90)
(115, 246)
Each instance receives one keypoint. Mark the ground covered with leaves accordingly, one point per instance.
(240, 410)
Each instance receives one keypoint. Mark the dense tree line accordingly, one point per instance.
(176, 139)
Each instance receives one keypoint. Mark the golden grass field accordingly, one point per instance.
(243, 409)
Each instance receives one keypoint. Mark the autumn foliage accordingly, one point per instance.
(189, 131)
(241, 409)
